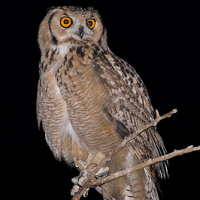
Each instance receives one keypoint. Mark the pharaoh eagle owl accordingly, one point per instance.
(89, 99)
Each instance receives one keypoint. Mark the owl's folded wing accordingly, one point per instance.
(130, 108)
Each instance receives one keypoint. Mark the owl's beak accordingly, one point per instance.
(81, 31)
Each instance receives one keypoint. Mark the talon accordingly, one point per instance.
(75, 190)
(77, 181)
(74, 179)
(104, 171)
(81, 180)
(78, 185)
(81, 174)
(85, 194)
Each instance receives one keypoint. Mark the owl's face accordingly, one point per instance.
(64, 23)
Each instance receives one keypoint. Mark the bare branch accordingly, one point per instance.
(131, 137)
(145, 164)
(91, 175)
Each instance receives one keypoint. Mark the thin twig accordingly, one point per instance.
(145, 127)
(145, 164)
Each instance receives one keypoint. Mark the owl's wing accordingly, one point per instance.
(130, 107)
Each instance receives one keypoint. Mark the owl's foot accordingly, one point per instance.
(75, 189)
(82, 178)
(104, 171)
(86, 168)
(78, 186)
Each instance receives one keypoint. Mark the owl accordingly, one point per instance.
(89, 99)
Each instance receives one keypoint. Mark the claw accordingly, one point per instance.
(104, 171)
(86, 167)
(85, 194)
(81, 174)
(81, 180)
(75, 190)
(78, 183)
(74, 179)
(78, 180)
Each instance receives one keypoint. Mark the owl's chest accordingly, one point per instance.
(80, 86)
(86, 96)
(74, 71)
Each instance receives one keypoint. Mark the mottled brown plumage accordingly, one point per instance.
(89, 100)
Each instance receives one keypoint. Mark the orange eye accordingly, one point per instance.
(91, 23)
(65, 22)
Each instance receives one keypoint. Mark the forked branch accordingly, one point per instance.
(92, 181)
(145, 164)
(133, 136)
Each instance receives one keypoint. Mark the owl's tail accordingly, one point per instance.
(138, 185)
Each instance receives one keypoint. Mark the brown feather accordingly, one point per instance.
(89, 100)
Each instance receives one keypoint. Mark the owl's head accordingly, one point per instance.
(69, 22)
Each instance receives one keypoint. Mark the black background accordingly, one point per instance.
(158, 39)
